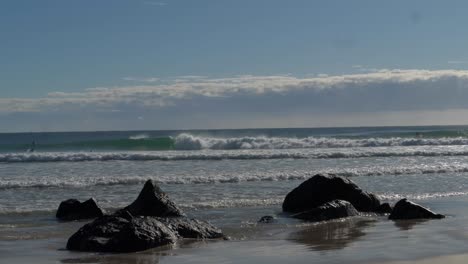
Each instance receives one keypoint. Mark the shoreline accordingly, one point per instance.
(446, 259)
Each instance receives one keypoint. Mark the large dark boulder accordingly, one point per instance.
(73, 209)
(405, 209)
(123, 232)
(152, 201)
(323, 188)
(329, 210)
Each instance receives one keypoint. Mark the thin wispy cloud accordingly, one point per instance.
(138, 79)
(154, 3)
(457, 62)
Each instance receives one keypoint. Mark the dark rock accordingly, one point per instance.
(405, 209)
(323, 188)
(329, 210)
(118, 234)
(192, 228)
(152, 201)
(384, 208)
(152, 220)
(124, 233)
(268, 219)
(73, 209)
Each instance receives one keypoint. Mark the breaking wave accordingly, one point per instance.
(191, 142)
(333, 153)
(228, 178)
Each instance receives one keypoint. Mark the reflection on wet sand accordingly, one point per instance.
(131, 258)
(332, 235)
(409, 224)
(152, 256)
(136, 258)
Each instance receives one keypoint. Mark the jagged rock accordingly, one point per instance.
(119, 234)
(405, 209)
(73, 209)
(124, 233)
(192, 228)
(152, 220)
(329, 210)
(152, 201)
(323, 188)
(267, 219)
(384, 208)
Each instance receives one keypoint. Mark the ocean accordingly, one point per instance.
(231, 178)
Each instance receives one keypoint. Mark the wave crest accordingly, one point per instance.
(186, 141)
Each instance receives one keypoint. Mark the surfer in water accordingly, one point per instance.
(33, 146)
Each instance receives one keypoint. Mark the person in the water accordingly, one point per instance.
(33, 146)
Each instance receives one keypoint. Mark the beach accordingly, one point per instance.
(233, 178)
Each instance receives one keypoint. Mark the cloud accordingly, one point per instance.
(457, 62)
(381, 97)
(381, 90)
(154, 3)
(136, 79)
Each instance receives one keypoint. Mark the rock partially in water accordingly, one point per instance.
(327, 211)
(123, 233)
(267, 219)
(152, 220)
(323, 188)
(119, 234)
(152, 201)
(405, 209)
(73, 209)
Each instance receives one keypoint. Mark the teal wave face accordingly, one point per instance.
(164, 143)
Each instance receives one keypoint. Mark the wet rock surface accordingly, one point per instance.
(267, 219)
(152, 201)
(323, 188)
(73, 209)
(405, 209)
(327, 211)
(119, 234)
(151, 221)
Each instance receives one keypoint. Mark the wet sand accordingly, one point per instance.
(359, 240)
(363, 239)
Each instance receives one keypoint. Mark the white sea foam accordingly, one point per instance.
(419, 196)
(256, 176)
(139, 136)
(257, 154)
(190, 142)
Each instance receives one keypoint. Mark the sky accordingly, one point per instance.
(86, 65)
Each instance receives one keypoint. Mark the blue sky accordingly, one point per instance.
(143, 64)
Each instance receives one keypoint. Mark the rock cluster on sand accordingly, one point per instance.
(73, 209)
(152, 220)
(326, 196)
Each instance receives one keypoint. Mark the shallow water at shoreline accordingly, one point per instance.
(364, 239)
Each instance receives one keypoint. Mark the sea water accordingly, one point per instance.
(232, 178)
